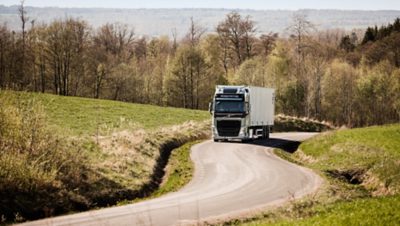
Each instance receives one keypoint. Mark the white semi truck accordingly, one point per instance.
(242, 112)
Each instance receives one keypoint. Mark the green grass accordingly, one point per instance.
(370, 211)
(365, 211)
(83, 116)
(382, 139)
(361, 168)
(374, 151)
(179, 171)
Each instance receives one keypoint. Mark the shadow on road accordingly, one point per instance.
(289, 146)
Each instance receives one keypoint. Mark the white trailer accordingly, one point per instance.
(242, 112)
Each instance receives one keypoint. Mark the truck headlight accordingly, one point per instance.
(241, 132)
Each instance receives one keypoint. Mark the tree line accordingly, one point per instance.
(329, 75)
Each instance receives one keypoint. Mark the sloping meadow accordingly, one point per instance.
(61, 154)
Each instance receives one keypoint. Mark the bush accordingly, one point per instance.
(34, 162)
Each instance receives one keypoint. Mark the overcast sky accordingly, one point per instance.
(232, 4)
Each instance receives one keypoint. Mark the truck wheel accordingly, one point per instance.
(264, 132)
(216, 140)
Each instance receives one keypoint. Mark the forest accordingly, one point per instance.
(344, 77)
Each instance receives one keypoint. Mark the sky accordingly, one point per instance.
(231, 4)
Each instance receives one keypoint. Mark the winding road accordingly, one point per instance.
(230, 179)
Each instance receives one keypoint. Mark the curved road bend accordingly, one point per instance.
(230, 178)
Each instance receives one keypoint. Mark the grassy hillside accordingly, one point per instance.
(82, 116)
(362, 171)
(367, 211)
(368, 156)
(49, 151)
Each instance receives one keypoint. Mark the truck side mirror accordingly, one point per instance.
(247, 108)
(210, 107)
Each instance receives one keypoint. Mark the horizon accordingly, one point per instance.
(359, 5)
(188, 8)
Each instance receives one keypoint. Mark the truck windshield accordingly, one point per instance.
(229, 106)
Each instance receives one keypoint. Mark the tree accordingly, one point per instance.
(386, 49)
(195, 32)
(315, 65)
(249, 73)
(120, 75)
(225, 56)
(338, 99)
(21, 73)
(266, 44)
(237, 34)
(24, 19)
(64, 46)
(370, 35)
(347, 44)
(112, 45)
(213, 52)
(187, 75)
(377, 95)
(279, 68)
(39, 58)
(6, 49)
(300, 30)
(154, 68)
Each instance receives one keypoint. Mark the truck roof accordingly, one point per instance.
(236, 89)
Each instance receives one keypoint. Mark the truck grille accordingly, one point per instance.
(228, 128)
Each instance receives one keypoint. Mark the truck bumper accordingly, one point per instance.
(242, 135)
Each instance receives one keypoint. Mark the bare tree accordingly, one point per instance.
(64, 46)
(112, 45)
(238, 33)
(174, 42)
(248, 28)
(24, 19)
(300, 31)
(266, 43)
(225, 53)
(194, 33)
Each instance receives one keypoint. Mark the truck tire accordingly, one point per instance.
(264, 132)
(216, 140)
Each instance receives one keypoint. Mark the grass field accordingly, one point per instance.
(361, 168)
(83, 116)
(49, 152)
(367, 211)
(368, 156)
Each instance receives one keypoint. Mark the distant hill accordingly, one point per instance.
(156, 22)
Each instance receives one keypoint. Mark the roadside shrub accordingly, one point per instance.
(34, 162)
